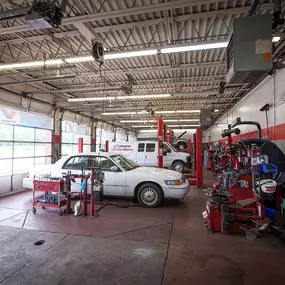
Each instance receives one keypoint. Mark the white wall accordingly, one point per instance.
(271, 91)
(188, 135)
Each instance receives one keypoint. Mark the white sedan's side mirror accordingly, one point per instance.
(114, 168)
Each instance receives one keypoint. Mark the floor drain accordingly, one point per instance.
(39, 242)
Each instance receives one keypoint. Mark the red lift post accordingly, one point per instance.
(170, 136)
(189, 146)
(199, 163)
(80, 145)
(164, 132)
(107, 146)
(159, 142)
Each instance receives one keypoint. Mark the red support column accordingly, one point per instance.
(199, 163)
(80, 145)
(194, 153)
(107, 146)
(159, 142)
(164, 133)
(170, 136)
(189, 146)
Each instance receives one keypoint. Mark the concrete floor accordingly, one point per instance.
(167, 245)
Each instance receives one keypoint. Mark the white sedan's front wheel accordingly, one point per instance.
(149, 195)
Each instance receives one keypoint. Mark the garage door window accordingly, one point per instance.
(69, 138)
(150, 147)
(22, 148)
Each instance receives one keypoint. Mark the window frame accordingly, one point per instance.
(146, 148)
(73, 157)
(114, 162)
(31, 156)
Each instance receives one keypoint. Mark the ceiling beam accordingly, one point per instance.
(136, 11)
(53, 78)
(152, 69)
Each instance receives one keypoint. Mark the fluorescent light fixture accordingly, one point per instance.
(189, 120)
(165, 112)
(148, 131)
(188, 130)
(170, 121)
(177, 112)
(180, 126)
(276, 39)
(144, 96)
(91, 99)
(123, 113)
(143, 126)
(118, 55)
(216, 110)
(119, 97)
(188, 111)
(37, 63)
(53, 61)
(194, 47)
(86, 58)
(21, 65)
(137, 121)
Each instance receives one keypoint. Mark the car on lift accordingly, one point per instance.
(124, 178)
(179, 142)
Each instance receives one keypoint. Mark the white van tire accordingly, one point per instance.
(149, 195)
(178, 166)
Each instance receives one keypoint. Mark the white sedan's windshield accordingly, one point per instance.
(125, 163)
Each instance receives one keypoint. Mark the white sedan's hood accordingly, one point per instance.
(157, 172)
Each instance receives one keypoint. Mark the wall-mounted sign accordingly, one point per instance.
(9, 116)
(122, 147)
(15, 117)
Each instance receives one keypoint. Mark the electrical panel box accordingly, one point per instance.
(205, 117)
(249, 52)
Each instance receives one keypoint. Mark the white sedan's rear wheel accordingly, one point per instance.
(149, 195)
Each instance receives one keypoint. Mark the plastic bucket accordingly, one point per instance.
(270, 214)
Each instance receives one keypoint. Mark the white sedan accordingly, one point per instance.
(149, 185)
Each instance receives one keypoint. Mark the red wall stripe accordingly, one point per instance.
(276, 133)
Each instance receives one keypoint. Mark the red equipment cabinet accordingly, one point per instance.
(49, 185)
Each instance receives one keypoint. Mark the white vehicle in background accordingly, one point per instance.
(145, 153)
(123, 177)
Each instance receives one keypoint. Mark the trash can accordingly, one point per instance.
(98, 194)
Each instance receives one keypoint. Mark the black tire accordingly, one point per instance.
(179, 166)
(146, 191)
(181, 146)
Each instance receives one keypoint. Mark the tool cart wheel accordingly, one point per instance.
(43, 207)
(61, 212)
(34, 210)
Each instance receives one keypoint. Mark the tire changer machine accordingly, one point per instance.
(236, 204)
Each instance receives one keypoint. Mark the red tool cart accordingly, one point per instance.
(53, 194)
